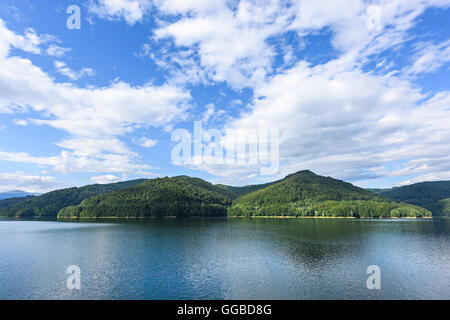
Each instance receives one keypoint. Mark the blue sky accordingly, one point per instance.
(358, 90)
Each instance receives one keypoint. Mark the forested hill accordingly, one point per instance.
(424, 194)
(307, 194)
(179, 196)
(301, 194)
(49, 204)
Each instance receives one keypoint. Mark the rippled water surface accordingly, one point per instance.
(225, 259)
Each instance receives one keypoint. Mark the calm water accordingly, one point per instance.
(225, 259)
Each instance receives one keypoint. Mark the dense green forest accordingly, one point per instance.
(425, 194)
(208, 186)
(236, 192)
(301, 194)
(445, 207)
(179, 196)
(9, 202)
(49, 204)
(307, 194)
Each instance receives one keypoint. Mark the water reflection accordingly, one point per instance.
(225, 258)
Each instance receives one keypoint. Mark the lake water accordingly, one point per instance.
(225, 259)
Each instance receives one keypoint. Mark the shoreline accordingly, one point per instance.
(325, 217)
(243, 217)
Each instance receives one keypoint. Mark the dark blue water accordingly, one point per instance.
(225, 259)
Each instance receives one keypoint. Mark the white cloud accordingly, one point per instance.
(30, 183)
(92, 146)
(63, 69)
(131, 11)
(108, 178)
(439, 176)
(29, 42)
(209, 112)
(146, 142)
(363, 27)
(430, 58)
(184, 6)
(56, 51)
(27, 158)
(231, 37)
(20, 122)
(70, 161)
(181, 67)
(231, 42)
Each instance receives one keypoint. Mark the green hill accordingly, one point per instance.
(179, 196)
(425, 194)
(301, 194)
(49, 204)
(307, 194)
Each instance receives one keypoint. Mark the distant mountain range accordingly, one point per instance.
(16, 194)
(301, 194)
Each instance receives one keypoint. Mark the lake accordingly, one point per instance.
(225, 259)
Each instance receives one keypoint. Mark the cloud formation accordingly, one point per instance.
(95, 117)
(347, 124)
(131, 11)
(356, 114)
(63, 69)
(30, 183)
(108, 178)
(334, 118)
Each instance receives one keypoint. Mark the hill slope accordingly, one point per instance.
(179, 196)
(236, 192)
(424, 194)
(445, 207)
(9, 202)
(49, 204)
(307, 194)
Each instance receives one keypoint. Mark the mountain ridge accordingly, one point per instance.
(303, 193)
(300, 194)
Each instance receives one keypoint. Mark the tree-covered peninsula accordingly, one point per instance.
(430, 195)
(307, 194)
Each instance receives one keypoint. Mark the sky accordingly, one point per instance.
(356, 90)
